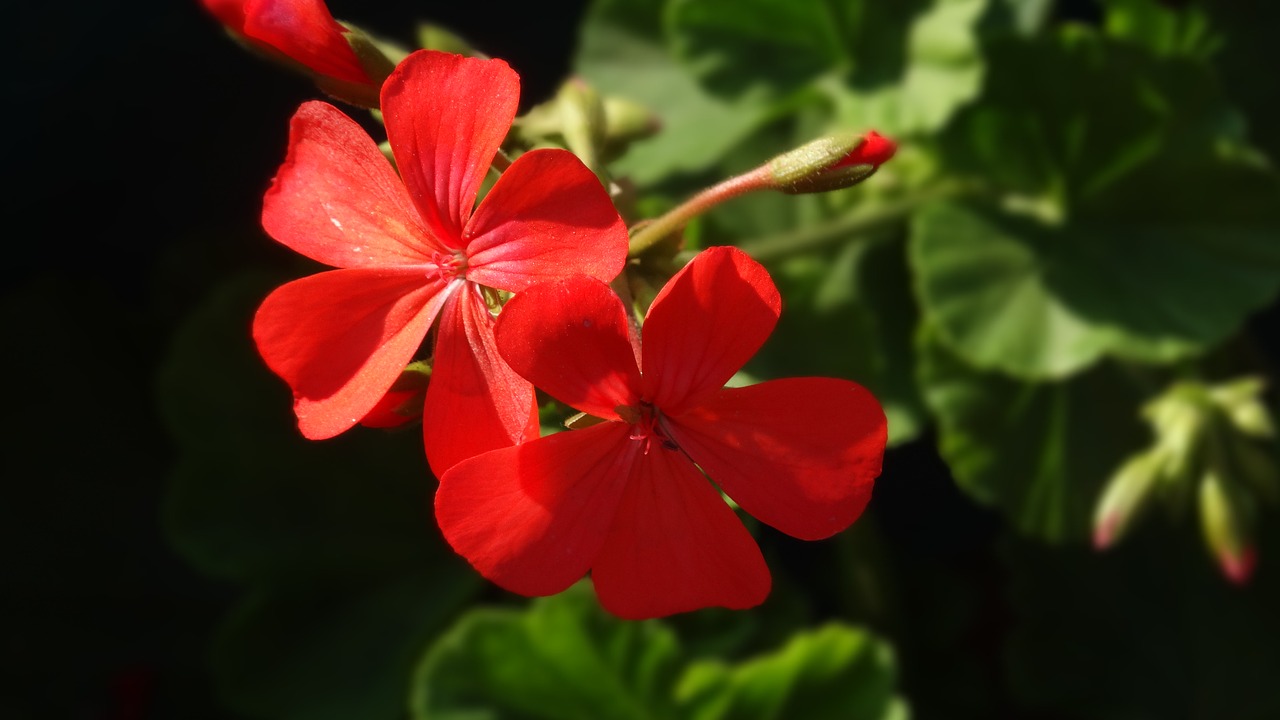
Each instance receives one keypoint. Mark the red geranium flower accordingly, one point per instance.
(410, 248)
(626, 498)
(301, 31)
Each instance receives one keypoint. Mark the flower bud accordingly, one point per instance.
(1126, 494)
(830, 163)
(582, 121)
(303, 35)
(1241, 401)
(1224, 518)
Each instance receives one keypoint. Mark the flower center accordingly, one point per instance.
(647, 426)
(447, 266)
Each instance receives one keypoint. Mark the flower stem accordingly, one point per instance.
(648, 234)
(860, 223)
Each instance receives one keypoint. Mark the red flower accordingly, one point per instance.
(301, 30)
(409, 248)
(626, 499)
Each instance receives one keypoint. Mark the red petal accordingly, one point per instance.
(475, 402)
(705, 323)
(570, 338)
(676, 546)
(395, 408)
(547, 217)
(341, 338)
(337, 200)
(875, 150)
(228, 12)
(305, 31)
(446, 116)
(532, 518)
(799, 454)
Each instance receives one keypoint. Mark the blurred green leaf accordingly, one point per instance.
(563, 658)
(347, 576)
(835, 672)
(1040, 452)
(900, 67)
(1129, 219)
(622, 51)
(1164, 29)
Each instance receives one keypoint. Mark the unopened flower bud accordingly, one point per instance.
(1179, 418)
(1224, 518)
(1126, 494)
(1241, 401)
(831, 163)
(304, 36)
(582, 120)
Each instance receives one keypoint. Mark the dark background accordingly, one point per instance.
(139, 141)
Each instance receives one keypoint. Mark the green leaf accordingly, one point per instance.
(1127, 218)
(1039, 452)
(900, 67)
(622, 51)
(1163, 29)
(346, 577)
(563, 658)
(738, 47)
(836, 672)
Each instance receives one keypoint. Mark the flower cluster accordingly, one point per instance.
(463, 282)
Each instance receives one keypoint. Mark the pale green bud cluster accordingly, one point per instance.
(1213, 444)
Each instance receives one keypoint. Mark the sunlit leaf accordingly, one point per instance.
(1128, 218)
(832, 673)
(563, 658)
(622, 51)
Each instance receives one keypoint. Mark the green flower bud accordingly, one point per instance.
(1126, 494)
(830, 163)
(1224, 517)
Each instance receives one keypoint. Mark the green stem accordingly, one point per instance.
(857, 224)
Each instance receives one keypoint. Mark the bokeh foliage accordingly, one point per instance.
(1083, 209)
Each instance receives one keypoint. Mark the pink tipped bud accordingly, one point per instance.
(830, 163)
(1225, 514)
(1239, 568)
(1126, 494)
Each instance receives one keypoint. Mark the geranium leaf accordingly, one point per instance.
(1040, 452)
(899, 67)
(562, 658)
(622, 51)
(834, 672)
(1131, 220)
